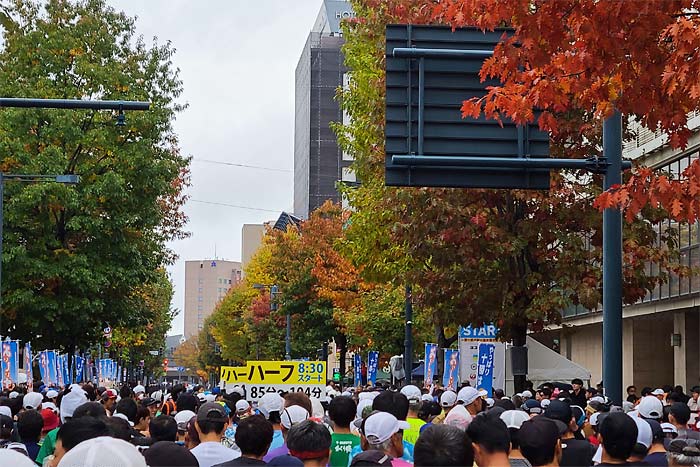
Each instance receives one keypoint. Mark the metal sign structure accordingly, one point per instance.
(430, 71)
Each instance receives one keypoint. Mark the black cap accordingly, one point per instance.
(169, 454)
(212, 412)
(148, 401)
(6, 422)
(559, 410)
(537, 434)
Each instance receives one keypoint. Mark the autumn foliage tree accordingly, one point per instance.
(513, 257)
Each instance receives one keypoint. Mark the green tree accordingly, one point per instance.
(75, 256)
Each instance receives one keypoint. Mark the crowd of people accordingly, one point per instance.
(553, 425)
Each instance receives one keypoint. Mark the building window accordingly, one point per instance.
(200, 307)
(199, 298)
(199, 290)
(201, 281)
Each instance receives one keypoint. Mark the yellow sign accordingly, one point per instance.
(276, 372)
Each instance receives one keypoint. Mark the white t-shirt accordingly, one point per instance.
(211, 453)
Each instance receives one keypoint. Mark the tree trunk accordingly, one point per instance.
(341, 343)
(519, 340)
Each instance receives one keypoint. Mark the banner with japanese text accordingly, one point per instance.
(28, 366)
(260, 377)
(358, 369)
(450, 377)
(10, 364)
(372, 362)
(430, 364)
(485, 373)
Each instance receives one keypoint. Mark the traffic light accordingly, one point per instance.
(274, 290)
(165, 365)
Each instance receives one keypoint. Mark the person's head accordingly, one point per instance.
(187, 402)
(308, 441)
(300, 399)
(683, 451)
(254, 436)
(576, 383)
(471, 398)
(695, 392)
(650, 407)
(143, 417)
(429, 410)
(413, 394)
(391, 402)
(440, 445)
(341, 411)
(679, 414)
(128, 408)
(514, 420)
(163, 428)
(382, 431)
(104, 451)
(631, 390)
(211, 419)
(109, 398)
(544, 393)
(539, 441)
(6, 427)
(561, 412)
(618, 435)
(119, 428)
(90, 409)
(169, 454)
(29, 425)
(490, 437)
(270, 406)
(74, 432)
(151, 404)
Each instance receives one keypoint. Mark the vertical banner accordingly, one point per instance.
(358, 369)
(484, 378)
(10, 364)
(51, 355)
(430, 365)
(79, 362)
(67, 378)
(372, 362)
(450, 377)
(59, 370)
(28, 366)
(44, 367)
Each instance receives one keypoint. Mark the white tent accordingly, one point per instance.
(545, 365)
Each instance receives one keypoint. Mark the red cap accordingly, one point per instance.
(50, 419)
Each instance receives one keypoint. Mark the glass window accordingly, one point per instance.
(695, 263)
(685, 281)
(199, 298)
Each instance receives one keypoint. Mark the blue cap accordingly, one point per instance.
(216, 390)
(532, 406)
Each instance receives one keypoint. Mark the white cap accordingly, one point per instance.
(32, 400)
(658, 392)
(202, 397)
(669, 428)
(157, 395)
(183, 417)
(6, 411)
(448, 399)
(650, 407)
(544, 403)
(270, 402)
(210, 397)
(514, 418)
(426, 398)
(490, 402)
(138, 389)
(527, 394)
(458, 417)
(51, 393)
(597, 399)
(71, 401)
(346, 394)
(411, 392)
(381, 426)
(468, 394)
(367, 395)
(361, 406)
(104, 451)
(13, 395)
(242, 406)
(292, 415)
(14, 458)
(238, 390)
(123, 417)
(644, 434)
(49, 405)
(593, 419)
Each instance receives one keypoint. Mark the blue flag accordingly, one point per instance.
(79, 362)
(372, 362)
(450, 377)
(358, 369)
(28, 366)
(10, 364)
(430, 364)
(484, 379)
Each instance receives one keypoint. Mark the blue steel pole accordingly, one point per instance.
(612, 264)
(288, 339)
(408, 343)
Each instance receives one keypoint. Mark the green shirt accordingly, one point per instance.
(48, 445)
(341, 445)
(412, 434)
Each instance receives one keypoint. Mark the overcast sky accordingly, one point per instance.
(237, 61)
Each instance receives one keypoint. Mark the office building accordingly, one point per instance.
(251, 239)
(318, 162)
(661, 333)
(206, 283)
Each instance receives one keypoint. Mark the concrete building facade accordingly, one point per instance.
(318, 161)
(251, 239)
(661, 333)
(206, 283)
